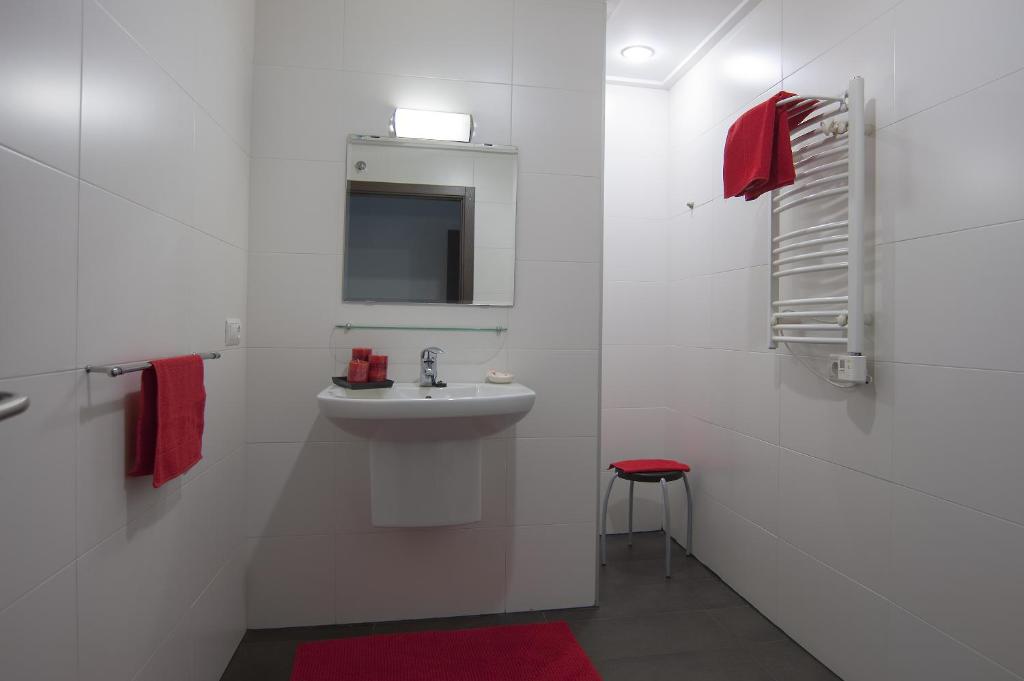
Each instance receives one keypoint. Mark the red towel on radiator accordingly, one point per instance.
(169, 430)
(758, 152)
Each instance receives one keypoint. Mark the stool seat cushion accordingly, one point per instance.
(650, 466)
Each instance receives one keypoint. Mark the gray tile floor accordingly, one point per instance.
(689, 628)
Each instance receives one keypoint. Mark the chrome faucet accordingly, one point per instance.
(428, 368)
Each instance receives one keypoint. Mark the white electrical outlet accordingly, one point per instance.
(232, 331)
(848, 368)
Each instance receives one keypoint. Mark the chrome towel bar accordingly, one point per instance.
(119, 369)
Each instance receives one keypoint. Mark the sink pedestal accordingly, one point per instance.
(425, 445)
(420, 484)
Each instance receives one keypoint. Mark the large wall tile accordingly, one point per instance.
(635, 249)
(970, 180)
(403, 37)
(810, 29)
(743, 553)
(747, 62)
(132, 591)
(281, 389)
(621, 385)
(290, 581)
(291, 488)
(296, 206)
(552, 566)
(138, 125)
(835, 618)
(739, 312)
(745, 397)
(215, 520)
(939, 316)
(217, 621)
(165, 30)
(852, 428)
(277, 284)
(221, 184)
(557, 305)
(173, 660)
(990, 49)
(145, 289)
(40, 78)
(557, 131)
(868, 53)
(464, 570)
(958, 435)
(558, 217)
(38, 633)
(739, 233)
(836, 515)
(306, 33)
(217, 289)
(38, 223)
(566, 382)
(632, 434)
(918, 650)
(573, 30)
(743, 472)
(634, 313)
(37, 499)
(636, 156)
(224, 56)
(972, 593)
(551, 480)
(296, 114)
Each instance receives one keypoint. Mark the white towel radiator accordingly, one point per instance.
(824, 236)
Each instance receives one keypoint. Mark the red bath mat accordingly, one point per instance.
(525, 652)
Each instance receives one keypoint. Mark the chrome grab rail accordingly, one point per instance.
(12, 405)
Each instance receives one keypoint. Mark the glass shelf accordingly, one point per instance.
(348, 326)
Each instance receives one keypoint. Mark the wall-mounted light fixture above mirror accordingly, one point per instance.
(429, 222)
(432, 125)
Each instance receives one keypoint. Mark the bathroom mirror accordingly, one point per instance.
(429, 222)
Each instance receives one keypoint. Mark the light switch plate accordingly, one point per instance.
(232, 331)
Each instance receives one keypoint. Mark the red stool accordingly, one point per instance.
(662, 471)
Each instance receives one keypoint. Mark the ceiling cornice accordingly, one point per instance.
(728, 23)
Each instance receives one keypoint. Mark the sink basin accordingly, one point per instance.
(409, 401)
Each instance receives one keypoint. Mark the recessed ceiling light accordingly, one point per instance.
(637, 53)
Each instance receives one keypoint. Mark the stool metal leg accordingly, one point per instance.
(630, 539)
(604, 521)
(689, 517)
(668, 529)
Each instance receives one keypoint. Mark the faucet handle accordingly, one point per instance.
(429, 353)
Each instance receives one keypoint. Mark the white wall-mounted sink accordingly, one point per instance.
(425, 445)
(409, 401)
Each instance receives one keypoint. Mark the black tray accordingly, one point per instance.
(343, 382)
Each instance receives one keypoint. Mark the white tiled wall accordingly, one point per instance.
(881, 527)
(124, 208)
(635, 329)
(531, 74)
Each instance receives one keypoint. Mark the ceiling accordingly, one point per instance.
(680, 31)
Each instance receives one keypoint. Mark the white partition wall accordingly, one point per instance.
(878, 526)
(124, 176)
(531, 74)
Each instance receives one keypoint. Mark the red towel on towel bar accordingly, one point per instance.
(758, 151)
(169, 430)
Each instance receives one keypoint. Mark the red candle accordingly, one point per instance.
(378, 368)
(358, 371)
(361, 353)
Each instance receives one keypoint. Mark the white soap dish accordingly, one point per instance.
(494, 376)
